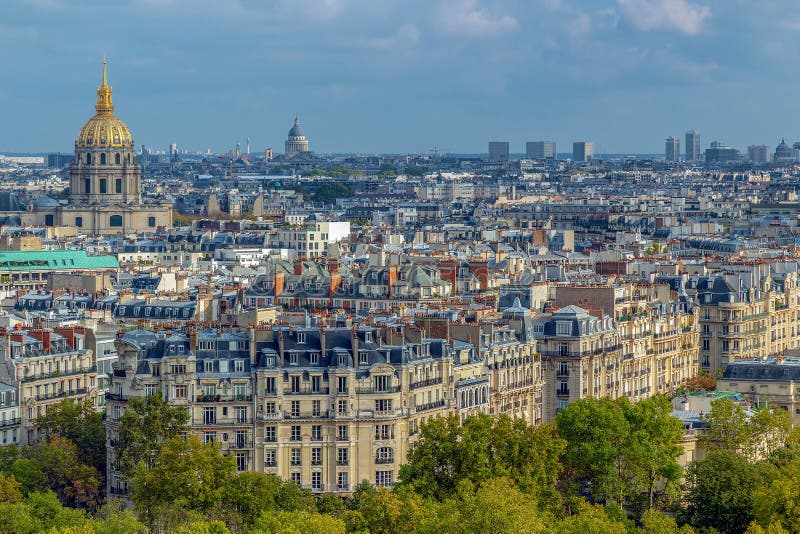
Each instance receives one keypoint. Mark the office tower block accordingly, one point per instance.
(498, 151)
(540, 150)
(692, 145)
(582, 150)
(758, 154)
(672, 150)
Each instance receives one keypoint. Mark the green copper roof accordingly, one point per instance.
(54, 260)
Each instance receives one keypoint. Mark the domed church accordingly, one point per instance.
(105, 180)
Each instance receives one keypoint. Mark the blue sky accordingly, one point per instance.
(403, 76)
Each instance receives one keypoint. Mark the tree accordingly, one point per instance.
(719, 491)
(74, 482)
(448, 453)
(145, 425)
(596, 432)
(297, 522)
(727, 426)
(653, 448)
(80, 423)
(757, 436)
(249, 494)
(185, 473)
(779, 501)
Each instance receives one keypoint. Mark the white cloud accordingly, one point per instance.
(464, 18)
(680, 15)
(406, 36)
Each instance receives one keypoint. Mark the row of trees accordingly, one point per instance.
(603, 466)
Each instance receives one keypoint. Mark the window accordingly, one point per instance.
(363, 357)
(271, 458)
(241, 461)
(563, 328)
(316, 432)
(295, 408)
(79, 222)
(384, 431)
(384, 455)
(293, 358)
(316, 408)
(87, 186)
(102, 159)
(296, 433)
(706, 344)
(301, 337)
(382, 383)
(238, 366)
(316, 481)
(295, 384)
(117, 158)
(296, 478)
(209, 437)
(270, 388)
(341, 407)
(149, 389)
(103, 185)
(210, 415)
(313, 358)
(151, 222)
(118, 185)
(179, 391)
(241, 439)
(88, 160)
(295, 457)
(342, 384)
(316, 456)
(341, 481)
(115, 221)
(383, 405)
(315, 383)
(241, 414)
(270, 434)
(384, 478)
(341, 432)
(342, 456)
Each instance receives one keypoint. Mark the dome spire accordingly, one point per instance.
(104, 104)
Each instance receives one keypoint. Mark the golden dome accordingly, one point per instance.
(104, 129)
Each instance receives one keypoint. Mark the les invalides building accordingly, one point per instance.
(105, 180)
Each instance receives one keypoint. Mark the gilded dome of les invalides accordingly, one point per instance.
(104, 129)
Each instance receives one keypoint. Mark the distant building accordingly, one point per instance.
(672, 149)
(582, 150)
(784, 153)
(58, 161)
(540, 150)
(692, 145)
(720, 153)
(498, 151)
(296, 142)
(758, 153)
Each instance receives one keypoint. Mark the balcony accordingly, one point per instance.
(60, 374)
(9, 422)
(430, 406)
(61, 394)
(425, 383)
(242, 445)
(383, 461)
(562, 391)
(116, 397)
(318, 391)
(368, 390)
(219, 398)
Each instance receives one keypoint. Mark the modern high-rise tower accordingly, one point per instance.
(540, 150)
(692, 145)
(582, 150)
(498, 151)
(672, 149)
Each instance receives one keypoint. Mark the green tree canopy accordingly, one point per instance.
(80, 423)
(145, 425)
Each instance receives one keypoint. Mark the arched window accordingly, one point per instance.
(88, 159)
(117, 159)
(129, 158)
(115, 221)
(102, 159)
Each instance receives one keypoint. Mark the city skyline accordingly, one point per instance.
(403, 77)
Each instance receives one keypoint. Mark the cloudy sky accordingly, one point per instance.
(402, 76)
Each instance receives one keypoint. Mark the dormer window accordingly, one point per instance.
(563, 328)
(367, 337)
(301, 337)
